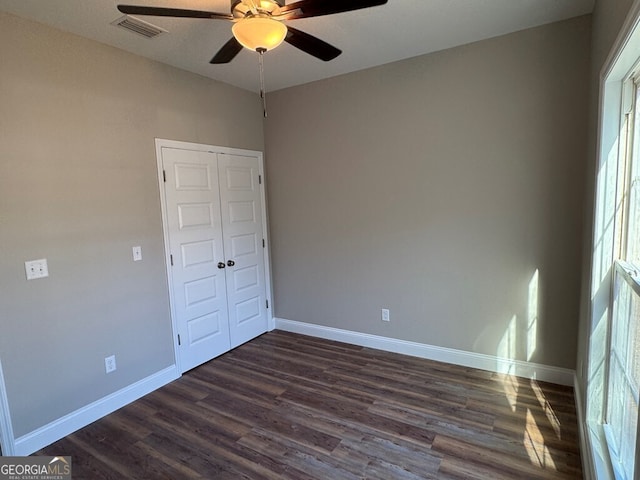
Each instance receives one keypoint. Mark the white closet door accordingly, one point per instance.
(193, 219)
(241, 202)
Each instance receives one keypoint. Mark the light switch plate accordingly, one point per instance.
(137, 254)
(36, 269)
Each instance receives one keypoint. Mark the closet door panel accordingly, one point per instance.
(241, 214)
(195, 235)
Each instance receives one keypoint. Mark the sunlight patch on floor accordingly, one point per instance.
(554, 422)
(535, 445)
(511, 387)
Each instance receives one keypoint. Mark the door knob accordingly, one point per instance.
(231, 263)
(220, 264)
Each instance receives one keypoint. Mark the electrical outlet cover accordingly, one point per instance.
(36, 269)
(110, 364)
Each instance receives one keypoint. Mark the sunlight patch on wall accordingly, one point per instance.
(508, 349)
(532, 315)
(508, 346)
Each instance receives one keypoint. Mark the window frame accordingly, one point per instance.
(623, 271)
(606, 247)
(627, 156)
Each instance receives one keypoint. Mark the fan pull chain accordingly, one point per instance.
(263, 93)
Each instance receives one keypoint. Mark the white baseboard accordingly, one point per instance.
(545, 373)
(46, 435)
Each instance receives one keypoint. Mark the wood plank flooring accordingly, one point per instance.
(286, 406)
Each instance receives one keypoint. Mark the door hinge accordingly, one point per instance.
(267, 302)
(260, 179)
(171, 258)
(179, 342)
(263, 243)
(164, 176)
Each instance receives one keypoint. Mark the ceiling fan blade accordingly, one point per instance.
(228, 52)
(311, 45)
(172, 12)
(317, 8)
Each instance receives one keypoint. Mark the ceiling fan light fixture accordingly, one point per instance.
(258, 32)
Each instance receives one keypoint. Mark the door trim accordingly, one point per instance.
(7, 440)
(164, 143)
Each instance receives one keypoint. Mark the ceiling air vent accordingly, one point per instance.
(138, 26)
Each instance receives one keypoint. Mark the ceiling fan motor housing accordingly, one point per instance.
(241, 8)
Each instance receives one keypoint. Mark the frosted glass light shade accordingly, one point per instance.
(259, 33)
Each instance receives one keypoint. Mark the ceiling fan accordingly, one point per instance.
(259, 24)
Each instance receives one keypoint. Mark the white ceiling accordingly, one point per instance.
(375, 36)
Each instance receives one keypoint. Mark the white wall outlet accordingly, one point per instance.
(137, 254)
(385, 315)
(36, 269)
(110, 364)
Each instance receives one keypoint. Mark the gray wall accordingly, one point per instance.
(436, 187)
(78, 186)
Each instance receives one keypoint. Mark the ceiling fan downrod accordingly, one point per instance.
(263, 93)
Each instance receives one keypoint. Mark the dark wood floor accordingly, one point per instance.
(286, 406)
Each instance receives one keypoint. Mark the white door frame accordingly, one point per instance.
(7, 440)
(164, 143)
